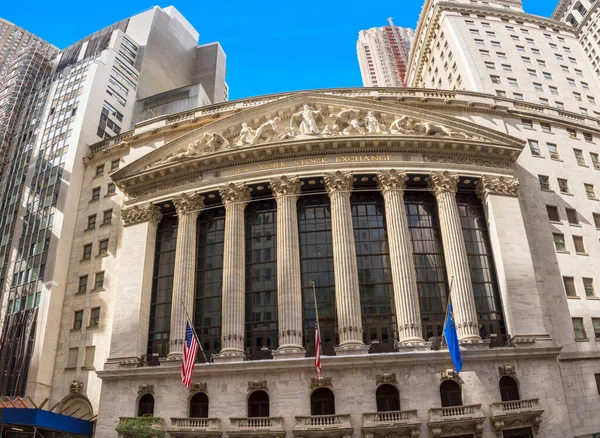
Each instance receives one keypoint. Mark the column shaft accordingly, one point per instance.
(444, 185)
(347, 294)
(406, 293)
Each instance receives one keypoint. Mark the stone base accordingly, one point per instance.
(122, 362)
(351, 350)
(228, 357)
(297, 353)
(407, 348)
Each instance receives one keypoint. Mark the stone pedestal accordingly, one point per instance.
(289, 288)
(188, 207)
(406, 293)
(444, 186)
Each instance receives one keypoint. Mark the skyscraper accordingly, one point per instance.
(383, 55)
(91, 94)
(12, 39)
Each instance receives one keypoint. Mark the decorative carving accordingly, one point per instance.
(285, 186)
(76, 386)
(146, 389)
(345, 122)
(246, 135)
(269, 130)
(188, 202)
(443, 182)
(338, 182)
(210, 142)
(254, 385)
(372, 124)
(235, 193)
(323, 382)
(391, 180)
(307, 118)
(198, 387)
(385, 378)
(141, 213)
(467, 161)
(408, 126)
(497, 186)
(449, 375)
(507, 370)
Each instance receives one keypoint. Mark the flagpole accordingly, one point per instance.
(447, 307)
(187, 315)
(316, 310)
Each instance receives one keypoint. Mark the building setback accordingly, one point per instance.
(91, 94)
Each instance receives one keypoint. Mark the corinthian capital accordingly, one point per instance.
(391, 180)
(443, 182)
(235, 193)
(285, 186)
(141, 213)
(188, 202)
(501, 186)
(338, 182)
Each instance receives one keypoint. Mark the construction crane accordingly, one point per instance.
(401, 57)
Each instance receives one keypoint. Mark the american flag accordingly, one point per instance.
(190, 348)
(317, 353)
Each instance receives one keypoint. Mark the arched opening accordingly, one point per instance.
(146, 405)
(199, 406)
(388, 398)
(450, 394)
(509, 389)
(258, 404)
(322, 402)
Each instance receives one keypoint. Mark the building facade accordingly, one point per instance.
(90, 94)
(383, 55)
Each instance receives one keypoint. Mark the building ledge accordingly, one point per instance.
(317, 426)
(515, 414)
(393, 422)
(468, 419)
(195, 427)
(262, 427)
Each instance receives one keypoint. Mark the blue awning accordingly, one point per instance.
(46, 420)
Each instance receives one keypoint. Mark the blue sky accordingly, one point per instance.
(271, 46)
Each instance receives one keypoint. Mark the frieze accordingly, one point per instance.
(146, 389)
(439, 182)
(467, 161)
(135, 191)
(188, 202)
(385, 378)
(254, 385)
(285, 186)
(497, 186)
(338, 182)
(141, 213)
(392, 180)
(323, 382)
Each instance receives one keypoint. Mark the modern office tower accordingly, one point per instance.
(383, 55)
(90, 95)
(583, 16)
(537, 64)
(12, 40)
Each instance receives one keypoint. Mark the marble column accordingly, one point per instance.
(347, 295)
(188, 207)
(134, 283)
(289, 289)
(444, 185)
(404, 278)
(235, 198)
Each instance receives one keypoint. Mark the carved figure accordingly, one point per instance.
(403, 125)
(246, 135)
(287, 133)
(215, 142)
(408, 126)
(372, 124)
(347, 122)
(269, 129)
(76, 386)
(307, 118)
(210, 142)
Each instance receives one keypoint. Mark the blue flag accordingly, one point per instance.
(452, 340)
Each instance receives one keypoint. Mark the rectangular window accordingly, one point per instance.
(99, 169)
(500, 93)
(578, 328)
(527, 60)
(589, 189)
(569, 283)
(107, 217)
(90, 353)
(597, 376)
(95, 317)
(541, 62)
(484, 53)
(527, 123)
(596, 220)
(518, 96)
(563, 185)
(559, 241)
(495, 79)
(72, 359)
(114, 165)
(512, 81)
(572, 133)
(78, 319)
(577, 96)
(579, 157)
(553, 90)
(572, 216)
(506, 67)
(99, 280)
(490, 65)
(91, 222)
(95, 193)
(111, 189)
(596, 325)
(579, 246)
(544, 182)
(553, 213)
(588, 286)
(87, 251)
(534, 147)
(83, 280)
(553, 151)
(546, 127)
(538, 87)
(587, 136)
(103, 247)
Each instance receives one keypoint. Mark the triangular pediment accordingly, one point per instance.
(318, 118)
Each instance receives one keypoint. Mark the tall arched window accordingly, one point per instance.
(258, 404)
(146, 405)
(450, 394)
(388, 398)
(509, 389)
(199, 406)
(322, 402)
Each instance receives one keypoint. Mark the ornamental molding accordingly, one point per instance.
(323, 382)
(141, 213)
(450, 374)
(285, 186)
(381, 379)
(146, 389)
(198, 387)
(443, 182)
(392, 180)
(76, 387)
(507, 370)
(468, 161)
(255, 385)
(188, 203)
(338, 182)
(235, 193)
(500, 186)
